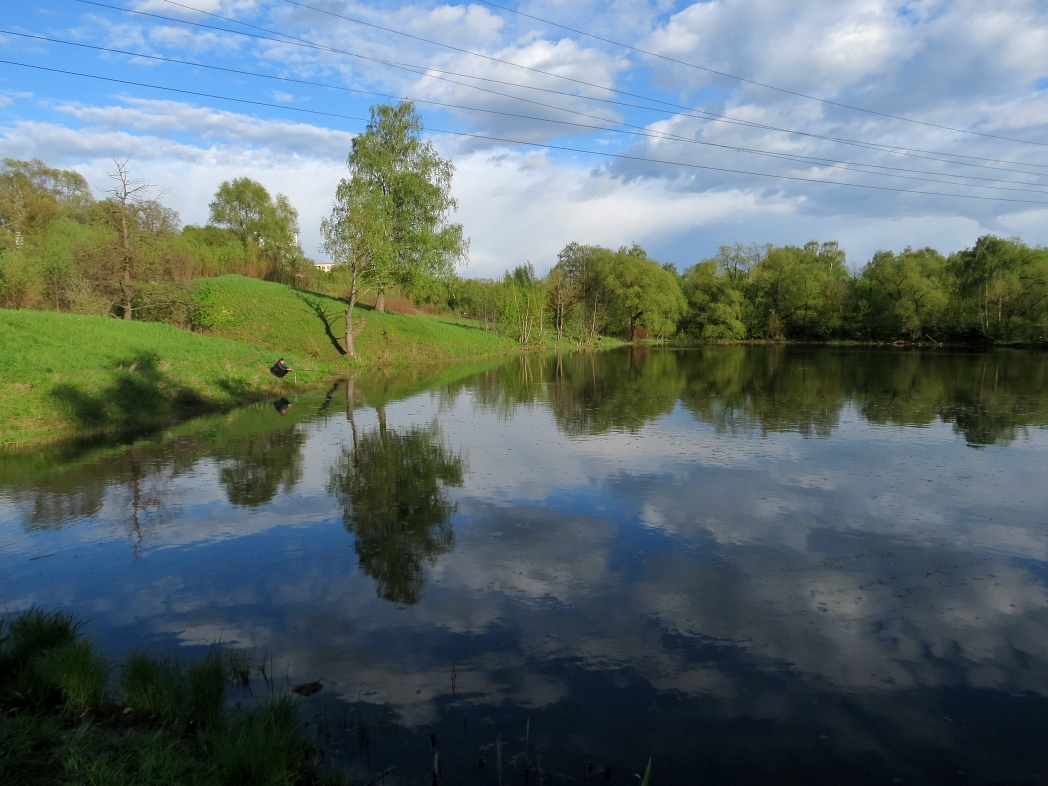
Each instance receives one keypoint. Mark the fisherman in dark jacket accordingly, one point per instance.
(280, 369)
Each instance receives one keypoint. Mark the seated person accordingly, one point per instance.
(280, 369)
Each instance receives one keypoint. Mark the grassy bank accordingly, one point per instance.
(72, 375)
(67, 374)
(68, 717)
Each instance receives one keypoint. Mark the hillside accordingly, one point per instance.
(70, 374)
(288, 319)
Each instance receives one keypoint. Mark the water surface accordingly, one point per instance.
(749, 564)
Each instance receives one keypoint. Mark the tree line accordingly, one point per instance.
(390, 232)
(995, 291)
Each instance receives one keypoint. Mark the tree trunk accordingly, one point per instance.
(125, 284)
(380, 306)
(350, 352)
(125, 291)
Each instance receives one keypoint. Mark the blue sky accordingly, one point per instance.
(963, 64)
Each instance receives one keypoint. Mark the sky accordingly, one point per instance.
(880, 124)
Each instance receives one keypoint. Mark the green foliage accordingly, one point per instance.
(266, 227)
(33, 194)
(391, 159)
(76, 673)
(264, 749)
(997, 290)
(641, 292)
(905, 294)
(358, 238)
(1002, 289)
(521, 304)
(172, 731)
(136, 758)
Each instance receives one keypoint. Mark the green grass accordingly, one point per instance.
(67, 373)
(280, 317)
(167, 726)
(70, 374)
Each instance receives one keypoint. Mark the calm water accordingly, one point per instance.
(769, 565)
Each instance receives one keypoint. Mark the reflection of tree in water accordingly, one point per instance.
(614, 391)
(260, 465)
(588, 392)
(988, 396)
(742, 389)
(391, 487)
(129, 486)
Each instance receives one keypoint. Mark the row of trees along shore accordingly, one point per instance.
(389, 232)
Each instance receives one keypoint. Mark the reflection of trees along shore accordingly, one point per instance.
(391, 488)
(988, 396)
(256, 458)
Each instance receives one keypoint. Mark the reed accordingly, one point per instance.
(169, 724)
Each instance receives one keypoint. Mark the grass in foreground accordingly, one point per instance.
(166, 726)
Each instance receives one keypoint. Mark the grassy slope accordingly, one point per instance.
(67, 372)
(70, 374)
(277, 316)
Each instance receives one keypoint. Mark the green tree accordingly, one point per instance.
(585, 269)
(522, 304)
(561, 298)
(1002, 288)
(800, 292)
(33, 194)
(357, 238)
(716, 305)
(392, 158)
(265, 226)
(905, 292)
(641, 292)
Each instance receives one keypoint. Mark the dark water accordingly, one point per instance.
(750, 565)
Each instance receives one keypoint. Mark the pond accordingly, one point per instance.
(783, 564)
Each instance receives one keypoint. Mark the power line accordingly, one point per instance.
(565, 148)
(642, 132)
(431, 73)
(758, 84)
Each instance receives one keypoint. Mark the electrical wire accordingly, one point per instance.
(642, 132)
(753, 82)
(426, 72)
(545, 146)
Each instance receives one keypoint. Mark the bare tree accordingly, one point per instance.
(135, 207)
